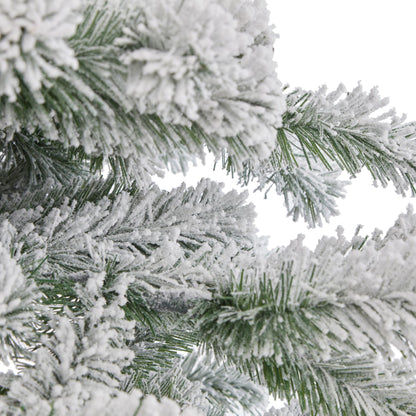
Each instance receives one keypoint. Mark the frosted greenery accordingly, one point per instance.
(119, 298)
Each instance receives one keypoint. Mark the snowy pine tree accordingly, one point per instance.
(117, 297)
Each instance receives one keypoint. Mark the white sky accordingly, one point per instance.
(328, 42)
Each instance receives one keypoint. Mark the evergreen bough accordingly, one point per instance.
(117, 297)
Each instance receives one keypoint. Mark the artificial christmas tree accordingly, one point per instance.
(119, 297)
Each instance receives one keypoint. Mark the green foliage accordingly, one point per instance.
(323, 134)
(117, 294)
(320, 347)
(29, 160)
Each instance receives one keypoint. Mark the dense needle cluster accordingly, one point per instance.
(117, 297)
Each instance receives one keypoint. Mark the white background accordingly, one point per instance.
(328, 42)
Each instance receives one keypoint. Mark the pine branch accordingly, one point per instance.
(19, 306)
(28, 160)
(200, 222)
(96, 103)
(177, 240)
(308, 193)
(347, 130)
(199, 381)
(77, 370)
(287, 361)
(323, 134)
(101, 304)
(76, 352)
(224, 384)
(347, 386)
(301, 310)
(158, 348)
